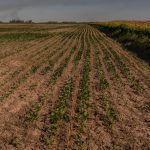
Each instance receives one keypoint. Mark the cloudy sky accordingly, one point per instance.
(74, 10)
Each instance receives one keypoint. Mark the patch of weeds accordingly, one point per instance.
(32, 87)
(21, 96)
(15, 73)
(46, 69)
(33, 113)
(111, 68)
(146, 107)
(135, 84)
(110, 113)
(79, 55)
(15, 142)
(103, 84)
(34, 69)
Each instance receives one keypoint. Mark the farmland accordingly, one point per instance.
(71, 87)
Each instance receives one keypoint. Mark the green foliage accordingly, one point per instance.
(22, 36)
(103, 84)
(46, 69)
(34, 68)
(59, 110)
(83, 97)
(15, 142)
(33, 113)
(84, 90)
(110, 113)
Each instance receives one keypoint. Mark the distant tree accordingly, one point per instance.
(16, 21)
(69, 22)
(52, 22)
(29, 21)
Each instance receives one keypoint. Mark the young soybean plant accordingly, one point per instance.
(83, 97)
(60, 111)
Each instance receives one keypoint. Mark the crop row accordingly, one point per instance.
(83, 97)
(103, 85)
(110, 66)
(60, 111)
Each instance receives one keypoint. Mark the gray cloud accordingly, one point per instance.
(43, 10)
(11, 8)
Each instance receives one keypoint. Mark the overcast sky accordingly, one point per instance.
(74, 10)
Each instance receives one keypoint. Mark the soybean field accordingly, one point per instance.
(71, 87)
